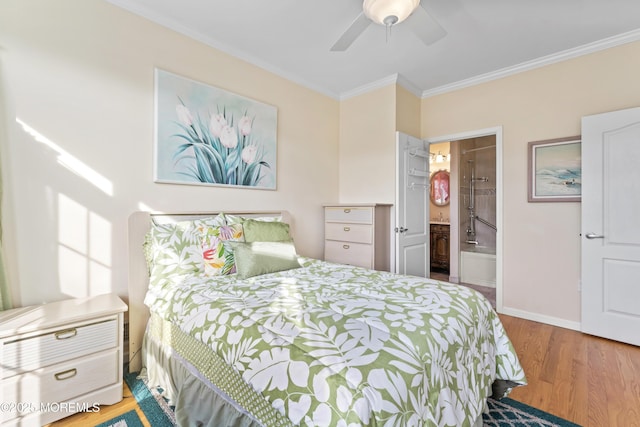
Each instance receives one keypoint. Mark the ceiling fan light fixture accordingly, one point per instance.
(389, 12)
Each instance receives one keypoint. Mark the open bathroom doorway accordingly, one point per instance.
(440, 210)
(477, 213)
(474, 211)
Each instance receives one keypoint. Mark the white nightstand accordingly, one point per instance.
(60, 358)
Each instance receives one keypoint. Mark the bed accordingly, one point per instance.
(240, 330)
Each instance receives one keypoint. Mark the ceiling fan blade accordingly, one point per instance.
(425, 26)
(356, 28)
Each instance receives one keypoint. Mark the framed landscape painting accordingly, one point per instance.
(208, 136)
(555, 170)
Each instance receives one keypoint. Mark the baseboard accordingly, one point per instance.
(483, 283)
(536, 317)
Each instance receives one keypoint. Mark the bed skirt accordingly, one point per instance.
(191, 380)
(189, 376)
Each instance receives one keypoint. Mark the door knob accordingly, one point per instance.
(593, 236)
(401, 230)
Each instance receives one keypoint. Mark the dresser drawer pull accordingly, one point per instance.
(347, 229)
(66, 334)
(345, 246)
(347, 210)
(65, 375)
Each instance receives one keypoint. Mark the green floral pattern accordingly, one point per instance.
(334, 345)
(176, 248)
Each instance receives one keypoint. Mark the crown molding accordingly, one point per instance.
(392, 79)
(624, 38)
(173, 25)
(610, 42)
(586, 49)
(386, 81)
(408, 85)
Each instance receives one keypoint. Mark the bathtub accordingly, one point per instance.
(478, 265)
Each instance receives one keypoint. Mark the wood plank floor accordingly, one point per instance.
(105, 413)
(590, 381)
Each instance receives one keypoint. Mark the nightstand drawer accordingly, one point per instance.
(359, 233)
(349, 214)
(33, 352)
(63, 381)
(357, 254)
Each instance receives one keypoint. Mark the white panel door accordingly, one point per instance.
(412, 206)
(611, 225)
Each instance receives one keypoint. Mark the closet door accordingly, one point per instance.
(611, 226)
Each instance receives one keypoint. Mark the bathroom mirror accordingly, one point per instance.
(440, 188)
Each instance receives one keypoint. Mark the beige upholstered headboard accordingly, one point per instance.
(139, 224)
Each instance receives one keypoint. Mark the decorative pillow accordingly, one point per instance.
(263, 231)
(236, 219)
(255, 258)
(214, 221)
(173, 248)
(218, 259)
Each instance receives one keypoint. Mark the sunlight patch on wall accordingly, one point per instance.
(145, 208)
(71, 162)
(72, 267)
(84, 250)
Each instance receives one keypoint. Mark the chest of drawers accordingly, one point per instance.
(60, 358)
(358, 235)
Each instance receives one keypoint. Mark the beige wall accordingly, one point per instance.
(367, 147)
(541, 240)
(368, 124)
(407, 112)
(80, 73)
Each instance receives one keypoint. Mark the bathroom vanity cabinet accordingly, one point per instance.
(440, 247)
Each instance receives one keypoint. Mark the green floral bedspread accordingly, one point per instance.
(334, 345)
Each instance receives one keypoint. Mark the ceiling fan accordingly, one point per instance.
(390, 13)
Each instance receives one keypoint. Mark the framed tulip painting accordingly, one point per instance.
(208, 136)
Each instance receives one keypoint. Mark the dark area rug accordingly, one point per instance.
(128, 419)
(154, 406)
(508, 412)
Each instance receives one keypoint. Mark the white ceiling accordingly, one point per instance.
(485, 38)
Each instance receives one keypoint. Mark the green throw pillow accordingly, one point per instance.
(262, 231)
(256, 258)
